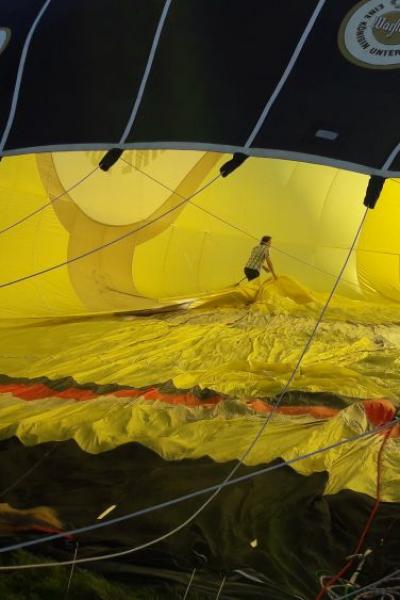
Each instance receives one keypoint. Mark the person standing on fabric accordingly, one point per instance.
(259, 259)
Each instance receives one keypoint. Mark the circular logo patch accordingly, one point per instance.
(5, 35)
(370, 34)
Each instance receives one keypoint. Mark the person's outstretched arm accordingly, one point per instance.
(270, 267)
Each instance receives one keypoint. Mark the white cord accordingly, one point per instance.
(393, 575)
(20, 72)
(72, 571)
(221, 587)
(189, 585)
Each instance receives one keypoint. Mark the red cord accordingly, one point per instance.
(368, 524)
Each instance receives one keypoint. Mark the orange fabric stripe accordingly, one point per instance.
(37, 391)
(318, 412)
(378, 412)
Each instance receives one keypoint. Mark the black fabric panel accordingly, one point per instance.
(395, 166)
(300, 531)
(216, 66)
(18, 17)
(83, 72)
(326, 91)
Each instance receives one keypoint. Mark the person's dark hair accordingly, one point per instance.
(265, 239)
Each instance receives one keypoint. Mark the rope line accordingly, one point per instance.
(213, 215)
(180, 499)
(71, 572)
(146, 73)
(286, 73)
(371, 586)
(107, 244)
(50, 203)
(221, 587)
(233, 226)
(189, 585)
(20, 72)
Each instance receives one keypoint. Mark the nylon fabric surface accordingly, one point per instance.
(197, 330)
(222, 433)
(279, 509)
(242, 342)
(311, 212)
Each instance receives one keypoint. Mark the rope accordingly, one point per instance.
(347, 566)
(189, 585)
(286, 74)
(180, 499)
(50, 203)
(237, 228)
(221, 587)
(110, 243)
(20, 73)
(371, 586)
(379, 594)
(78, 183)
(358, 593)
(146, 73)
(72, 571)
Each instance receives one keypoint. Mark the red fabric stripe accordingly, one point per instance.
(377, 411)
(37, 391)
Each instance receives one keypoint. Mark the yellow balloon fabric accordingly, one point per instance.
(222, 433)
(170, 248)
(134, 278)
(243, 342)
(127, 240)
